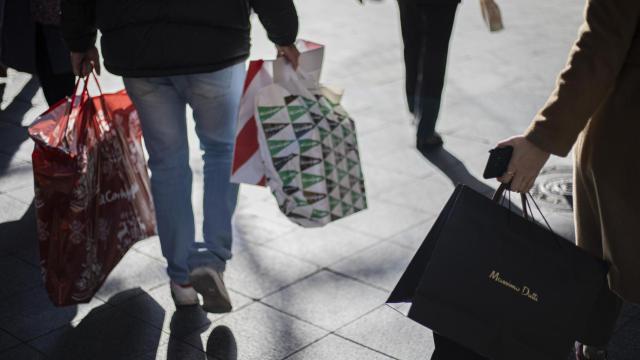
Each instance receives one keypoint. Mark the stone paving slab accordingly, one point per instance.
(389, 332)
(7, 341)
(413, 237)
(381, 265)
(335, 347)
(262, 332)
(10, 208)
(134, 271)
(22, 352)
(322, 246)
(421, 195)
(327, 300)
(259, 271)
(383, 219)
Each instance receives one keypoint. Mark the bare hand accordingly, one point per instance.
(290, 53)
(525, 165)
(83, 63)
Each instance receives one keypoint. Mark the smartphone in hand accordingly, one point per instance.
(498, 162)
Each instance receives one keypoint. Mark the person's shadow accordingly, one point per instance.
(184, 343)
(222, 344)
(456, 170)
(109, 333)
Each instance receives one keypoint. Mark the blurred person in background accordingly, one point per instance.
(174, 54)
(426, 31)
(32, 42)
(596, 106)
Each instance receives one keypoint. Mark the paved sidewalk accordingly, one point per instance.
(301, 293)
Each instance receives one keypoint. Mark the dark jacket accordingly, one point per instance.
(142, 38)
(18, 40)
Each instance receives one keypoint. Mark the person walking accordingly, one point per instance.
(596, 106)
(32, 42)
(426, 31)
(172, 55)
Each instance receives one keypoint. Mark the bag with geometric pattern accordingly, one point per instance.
(302, 142)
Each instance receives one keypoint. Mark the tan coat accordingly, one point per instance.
(596, 105)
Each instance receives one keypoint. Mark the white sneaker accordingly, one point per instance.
(184, 295)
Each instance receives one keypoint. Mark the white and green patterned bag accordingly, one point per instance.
(309, 147)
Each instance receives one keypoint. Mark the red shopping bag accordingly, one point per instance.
(92, 193)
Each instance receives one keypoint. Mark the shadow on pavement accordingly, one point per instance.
(222, 344)
(19, 237)
(25, 311)
(455, 170)
(108, 332)
(182, 334)
(12, 116)
(21, 103)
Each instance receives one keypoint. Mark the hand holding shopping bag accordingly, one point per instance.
(92, 193)
(294, 136)
(500, 284)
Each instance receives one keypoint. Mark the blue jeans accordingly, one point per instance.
(161, 103)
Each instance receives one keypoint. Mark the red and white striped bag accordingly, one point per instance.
(294, 136)
(248, 167)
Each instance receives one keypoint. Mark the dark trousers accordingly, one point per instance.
(55, 86)
(426, 30)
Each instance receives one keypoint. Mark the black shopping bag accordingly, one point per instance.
(498, 283)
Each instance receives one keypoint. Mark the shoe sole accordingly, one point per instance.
(202, 282)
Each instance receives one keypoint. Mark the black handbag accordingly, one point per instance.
(498, 283)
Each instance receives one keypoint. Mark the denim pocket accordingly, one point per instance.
(211, 85)
(141, 87)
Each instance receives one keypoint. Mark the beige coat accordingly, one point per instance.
(596, 105)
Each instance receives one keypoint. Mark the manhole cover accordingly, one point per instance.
(554, 187)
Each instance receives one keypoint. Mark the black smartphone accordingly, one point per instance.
(498, 162)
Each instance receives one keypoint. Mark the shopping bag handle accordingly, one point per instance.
(85, 90)
(74, 103)
(499, 197)
(66, 119)
(527, 211)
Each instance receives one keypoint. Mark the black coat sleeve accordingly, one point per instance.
(79, 24)
(279, 18)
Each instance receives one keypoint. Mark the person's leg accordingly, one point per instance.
(446, 349)
(162, 112)
(437, 25)
(54, 86)
(411, 37)
(215, 99)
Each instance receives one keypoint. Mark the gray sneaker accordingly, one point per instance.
(208, 282)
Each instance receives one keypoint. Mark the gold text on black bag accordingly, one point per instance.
(524, 290)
